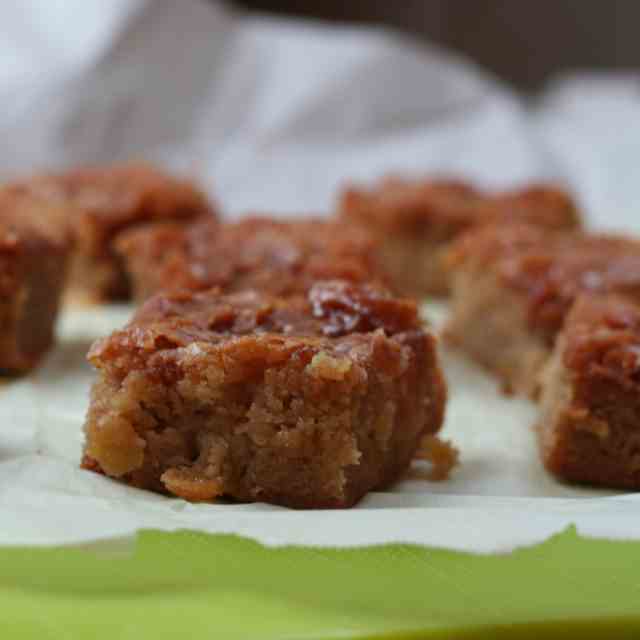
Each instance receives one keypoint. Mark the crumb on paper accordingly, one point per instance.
(442, 455)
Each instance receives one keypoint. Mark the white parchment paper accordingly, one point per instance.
(497, 498)
(273, 116)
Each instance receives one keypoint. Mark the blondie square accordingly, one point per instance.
(103, 202)
(307, 402)
(281, 257)
(33, 266)
(514, 284)
(415, 220)
(589, 431)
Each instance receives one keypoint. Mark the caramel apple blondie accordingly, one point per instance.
(282, 257)
(307, 401)
(415, 220)
(33, 265)
(513, 286)
(101, 203)
(589, 430)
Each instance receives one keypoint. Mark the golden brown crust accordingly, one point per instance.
(602, 340)
(446, 207)
(434, 206)
(120, 195)
(491, 244)
(543, 205)
(306, 402)
(331, 310)
(275, 256)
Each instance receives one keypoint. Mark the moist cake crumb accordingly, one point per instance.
(442, 455)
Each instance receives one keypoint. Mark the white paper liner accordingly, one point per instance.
(273, 116)
(499, 497)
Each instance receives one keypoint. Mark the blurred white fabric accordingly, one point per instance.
(273, 116)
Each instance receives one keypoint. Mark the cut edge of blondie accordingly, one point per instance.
(488, 322)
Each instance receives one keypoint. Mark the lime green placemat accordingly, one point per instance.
(194, 585)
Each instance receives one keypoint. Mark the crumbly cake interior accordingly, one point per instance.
(555, 398)
(304, 402)
(490, 324)
(415, 265)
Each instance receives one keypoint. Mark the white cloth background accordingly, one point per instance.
(273, 116)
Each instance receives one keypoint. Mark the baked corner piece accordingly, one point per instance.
(589, 431)
(100, 204)
(280, 257)
(306, 402)
(416, 220)
(513, 285)
(33, 266)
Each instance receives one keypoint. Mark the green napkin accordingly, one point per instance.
(195, 585)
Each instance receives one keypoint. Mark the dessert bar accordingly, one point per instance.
(102, 202)
(415, 220)
(589, 431)
(307, 402)
(276, 256)
(514, 284)
(33, 265)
